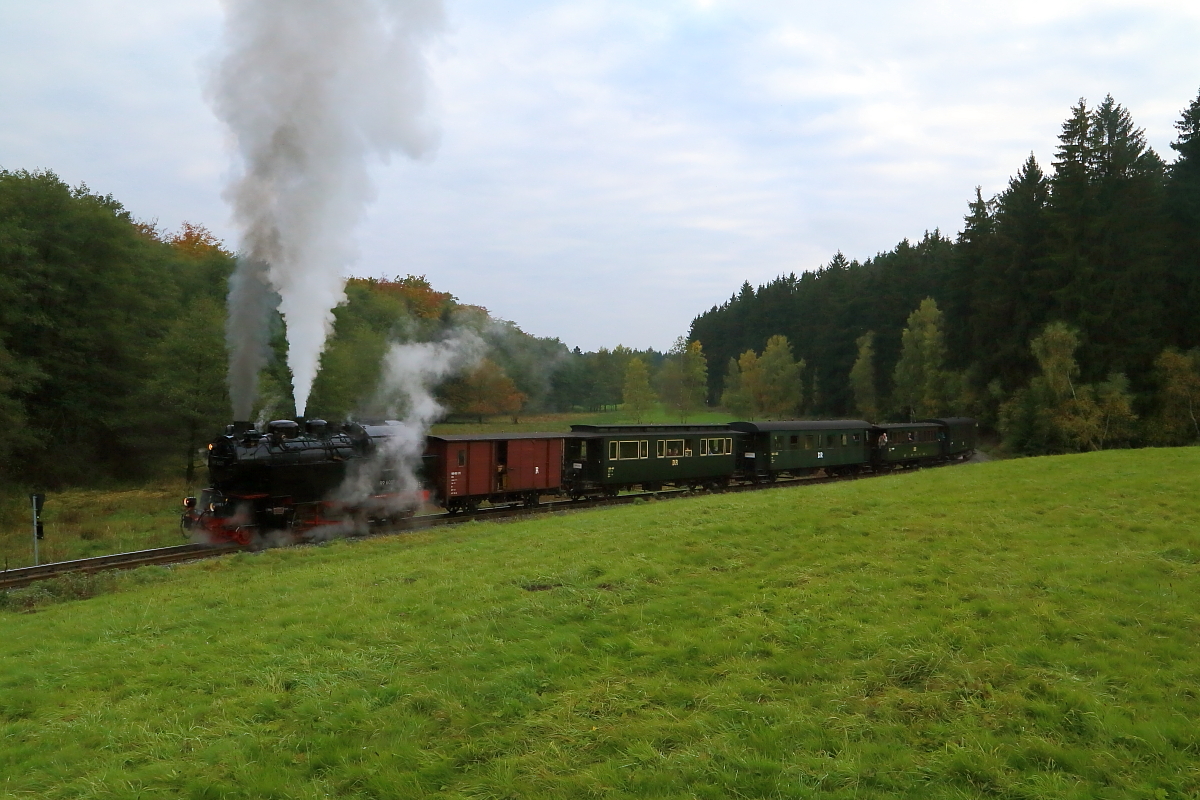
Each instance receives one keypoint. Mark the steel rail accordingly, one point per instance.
(24, 576)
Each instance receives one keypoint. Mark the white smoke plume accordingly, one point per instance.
(310, 91)
(410, 373)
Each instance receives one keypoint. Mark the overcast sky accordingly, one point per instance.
(608, 170)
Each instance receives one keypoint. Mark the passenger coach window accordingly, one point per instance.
(612, 451)
(716, 447)
(662, 447)
(674, 448)
(808, 442)
(843, 440)
(793, 442)
(627, 450)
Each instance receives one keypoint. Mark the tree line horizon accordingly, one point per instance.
(1061, 316)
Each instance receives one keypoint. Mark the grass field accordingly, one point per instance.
(80, 523)
(1016, 629)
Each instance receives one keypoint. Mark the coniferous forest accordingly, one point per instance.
(1064, 315)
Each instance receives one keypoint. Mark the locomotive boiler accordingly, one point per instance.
(300, 478)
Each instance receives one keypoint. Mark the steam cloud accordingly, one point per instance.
(410, 372)
(310, 89)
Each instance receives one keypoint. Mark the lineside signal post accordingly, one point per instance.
(37, 501)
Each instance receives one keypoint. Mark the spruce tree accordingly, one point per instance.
(1183, 208)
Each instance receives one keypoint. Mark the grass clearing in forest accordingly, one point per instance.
(1023, 628)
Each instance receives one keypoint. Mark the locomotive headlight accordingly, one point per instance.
(210, 445)
(189, 502)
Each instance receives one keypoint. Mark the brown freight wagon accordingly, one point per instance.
(468, 469)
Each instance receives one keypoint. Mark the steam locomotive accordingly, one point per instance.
(307, 479)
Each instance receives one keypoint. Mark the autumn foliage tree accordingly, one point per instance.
(485, 391)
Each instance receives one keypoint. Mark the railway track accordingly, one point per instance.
(24, 576)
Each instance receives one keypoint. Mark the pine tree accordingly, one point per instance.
(862, 378)
(1183, 208)
(637, 394)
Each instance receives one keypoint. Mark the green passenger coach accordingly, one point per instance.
(802, 447)
(615, 457)
(908, 444)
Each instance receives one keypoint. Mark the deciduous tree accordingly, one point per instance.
(920, 376)
(637, 395)
(781, 379)
(685, 378)
(862, 378)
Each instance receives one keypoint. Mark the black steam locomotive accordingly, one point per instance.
(300, 477)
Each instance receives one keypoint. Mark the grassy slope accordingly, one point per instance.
(1018, 629)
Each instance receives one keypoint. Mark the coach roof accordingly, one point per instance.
(799, 425)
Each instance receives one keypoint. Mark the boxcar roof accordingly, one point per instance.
(496, 437)
(799, 425)
(622, 429)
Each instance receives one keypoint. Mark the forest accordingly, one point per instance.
(1063, 315)
(112, 344)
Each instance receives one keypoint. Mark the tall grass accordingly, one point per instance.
(1014, 629)
(80, 523)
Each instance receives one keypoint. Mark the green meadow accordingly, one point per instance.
(1015, 629)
